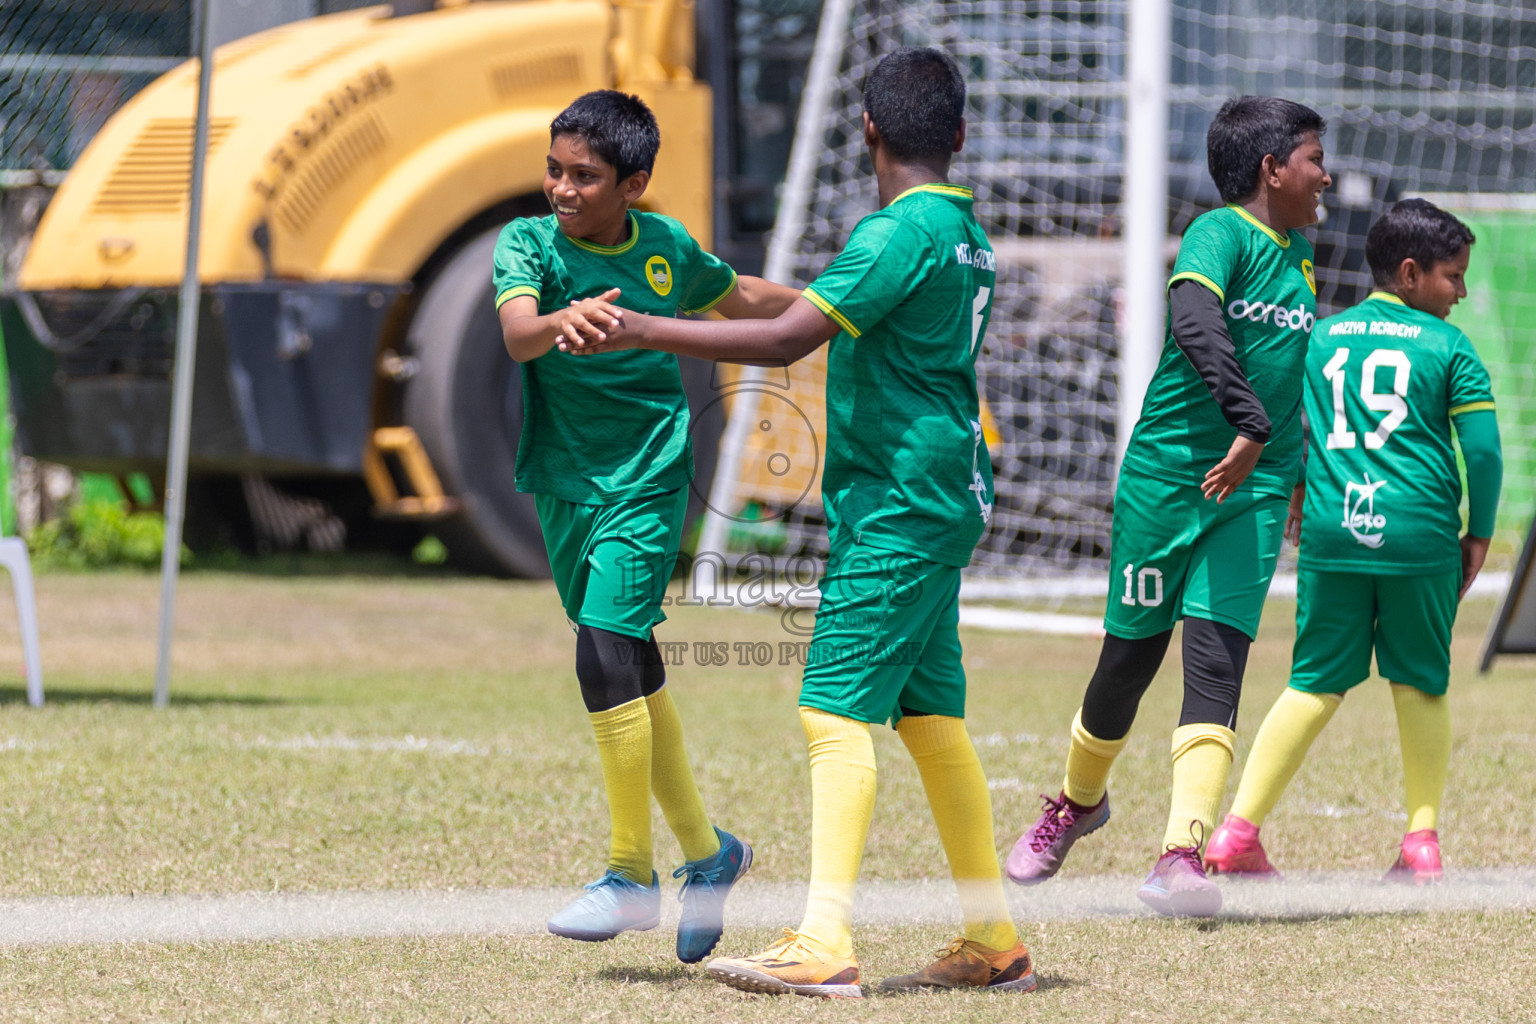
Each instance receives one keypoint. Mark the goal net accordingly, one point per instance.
(1419, 102)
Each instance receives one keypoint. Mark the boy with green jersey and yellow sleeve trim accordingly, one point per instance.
(605, 451)
(641, 441)
(907, 489)
(1201, 500)
(1383, 561)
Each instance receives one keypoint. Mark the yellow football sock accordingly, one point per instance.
(1088, 761)
(1279, 748)
(1424, 728)
(962, 809)
(672, 781)
(842, 802)
(624, 747)
(1202, 758)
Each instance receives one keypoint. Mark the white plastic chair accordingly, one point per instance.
(13, 555)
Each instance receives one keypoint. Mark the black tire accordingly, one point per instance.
(466, 405)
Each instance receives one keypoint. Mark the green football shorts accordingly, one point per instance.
(1174, 554)
(1342, 616)
(887, 637)
(611, 562)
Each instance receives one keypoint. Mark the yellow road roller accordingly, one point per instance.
(359, 167)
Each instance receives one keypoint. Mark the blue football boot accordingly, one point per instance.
(706, 884)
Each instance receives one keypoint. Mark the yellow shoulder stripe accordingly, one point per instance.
(942, 188)
(514, 292)
(832, 311)
(1283, 241)
(1472, 407)
(1190, 275)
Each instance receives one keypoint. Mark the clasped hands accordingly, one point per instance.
(589, 326)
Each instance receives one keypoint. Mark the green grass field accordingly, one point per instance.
(390, 733)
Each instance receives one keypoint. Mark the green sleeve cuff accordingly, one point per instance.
(836, 315)
(1190, 275)
(712, 303)
(514, 292)
(1478, 434)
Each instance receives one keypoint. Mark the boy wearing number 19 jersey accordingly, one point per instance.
(907, 489)
(1382, 565)
(1200, 504)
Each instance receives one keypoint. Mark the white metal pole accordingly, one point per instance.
(788, 226)
(186, 360)
(1145, 211)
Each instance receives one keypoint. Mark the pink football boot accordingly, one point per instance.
(1418, 863)
(1235, 849)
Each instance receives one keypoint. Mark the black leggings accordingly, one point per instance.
(614, 669)
(1215, 657)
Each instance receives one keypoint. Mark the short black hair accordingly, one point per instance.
(1414, 229)
(1248, 129)
(916, 98)
(616, 126)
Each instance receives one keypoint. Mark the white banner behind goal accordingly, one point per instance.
(1418, 102)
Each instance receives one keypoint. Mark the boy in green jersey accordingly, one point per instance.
(605, 450)
(1201, 500)
(907, 489)
(1383, 561)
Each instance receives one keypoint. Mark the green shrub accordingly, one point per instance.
(430, 551)
(97, 534)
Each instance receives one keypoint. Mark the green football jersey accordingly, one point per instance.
(906, 467)
(613, 425)
(1269, 295)
(1383, 487)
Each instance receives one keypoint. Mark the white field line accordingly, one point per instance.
(982, 616)
(407, 744)
(299, 916)
(1487, 584)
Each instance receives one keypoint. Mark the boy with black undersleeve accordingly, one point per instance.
(1200, 506)
(605, 450)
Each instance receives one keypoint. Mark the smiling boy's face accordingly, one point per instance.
(584, 190)
(1437, 289)
(1298, 184)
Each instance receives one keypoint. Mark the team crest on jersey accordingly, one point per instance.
(1361, 519)
(659, 274)
(1307, 272)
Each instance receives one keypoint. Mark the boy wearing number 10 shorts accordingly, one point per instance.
(605, 451)
(907, 489)
(1382, 562)
(1201, 501)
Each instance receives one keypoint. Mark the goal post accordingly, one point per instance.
(1086, 124)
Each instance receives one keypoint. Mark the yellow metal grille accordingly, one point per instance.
(155, 174)
(337, 157)
(510, 81)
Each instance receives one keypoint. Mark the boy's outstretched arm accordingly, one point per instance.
(1478, 434)
(756, 298)
(528, 335)
(792, 335)
(1200, 331)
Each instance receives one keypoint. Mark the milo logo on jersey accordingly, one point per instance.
(1298, 318)
(1361, 519)
(978, 482)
